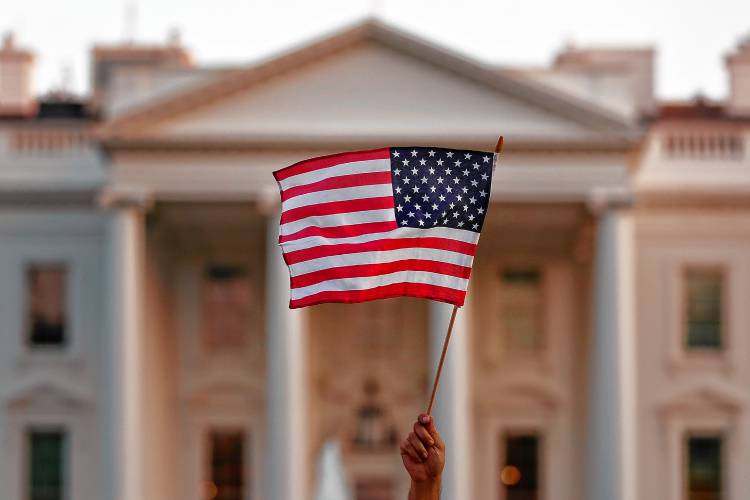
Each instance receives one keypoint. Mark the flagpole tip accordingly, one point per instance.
(499, 146)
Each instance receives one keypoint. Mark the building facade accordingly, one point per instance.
(147, 350)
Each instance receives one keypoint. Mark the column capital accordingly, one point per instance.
(269, 200)
(137, 198)
(600, 199)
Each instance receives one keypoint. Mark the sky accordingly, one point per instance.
(691, 36)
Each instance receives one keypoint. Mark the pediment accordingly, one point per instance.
(709, 397)
(369, 81)
(48, 393)
(226, 392)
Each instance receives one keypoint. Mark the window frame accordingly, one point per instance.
(724, 338)
(685, 462)
(505, 346)
(26, 457)
(503, 438)
(28, 344)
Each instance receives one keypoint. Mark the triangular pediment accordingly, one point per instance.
(369, 81)
(46, 394)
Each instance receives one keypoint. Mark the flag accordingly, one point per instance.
(389, 222)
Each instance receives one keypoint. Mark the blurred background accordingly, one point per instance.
(146, 346)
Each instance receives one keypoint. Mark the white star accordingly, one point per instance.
(396, 154)
(471, 217)
(397, 172)
(414, 171)
(467, 156)
(434, 206)
(476, 166)
(427, 216)
(475, 226)
(422, 161)
(418, 206)
(442, 215)
(433, 189)
(431, 170)
(421, 222)
(486, 159)
(480, 211)
(407, 198)
(455, 215)
(415, 189)
(431, 153)
(472, 200)
(458, 197)
(441, 197)
(457, 163)
(482, 193)
(485, 177)
(449, 154)
(445, 221)
(448, 171)
(424, 180)
(403, 223)
(425, 198)
(474, 183)
(440, 180)
(465, 172)
(440, 163)
(460, 224)
(405, 162)
(466, 208)
(465, 189)
(406, 180)
(452, 205)
(414, 152)
(398, 189)
(410, 214)
(455, 179)
(448, 189)
(400, 208)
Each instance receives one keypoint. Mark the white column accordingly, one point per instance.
(610, 469)
(452, 410)
(287, 451)
(123, 388)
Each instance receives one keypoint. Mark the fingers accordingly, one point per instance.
(418, 446)
(429, 424)
(423, 435)
(409, 450)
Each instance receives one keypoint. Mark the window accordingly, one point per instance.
(46, 301)
(46, 465)
(704, 463)
(226, 306)
(227, 465)
(703, 301)
(519, 476)
(521, 309)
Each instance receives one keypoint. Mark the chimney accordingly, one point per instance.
(16, 95)
(738, 64)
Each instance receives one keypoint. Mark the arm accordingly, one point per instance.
(423, 454)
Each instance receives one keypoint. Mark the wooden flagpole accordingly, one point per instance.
(498, 150)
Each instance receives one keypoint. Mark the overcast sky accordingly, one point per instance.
(692, 36)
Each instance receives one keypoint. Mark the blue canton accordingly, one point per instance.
(437, 187)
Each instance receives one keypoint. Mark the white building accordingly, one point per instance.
(146, 347)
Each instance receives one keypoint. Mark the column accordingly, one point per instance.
(610, 453)
(452, 410)
(123, 368)
(287, 449)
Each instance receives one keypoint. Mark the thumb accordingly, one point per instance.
(428, 421)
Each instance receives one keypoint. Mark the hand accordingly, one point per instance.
(423, 451)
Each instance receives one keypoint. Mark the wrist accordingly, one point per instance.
(426, 489)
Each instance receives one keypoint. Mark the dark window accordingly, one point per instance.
(521, 309)
(46, 304)
(704, 468)
(703, 290)
(226, 306)
(227, 464)
(46, 465)
(519, 475)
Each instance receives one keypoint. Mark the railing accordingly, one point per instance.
(49, 141)
(703, 145)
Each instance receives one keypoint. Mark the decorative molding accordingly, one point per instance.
(123, 197)
(48, 392)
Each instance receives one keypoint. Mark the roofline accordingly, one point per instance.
(446, 59)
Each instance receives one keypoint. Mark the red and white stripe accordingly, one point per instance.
(340, 239)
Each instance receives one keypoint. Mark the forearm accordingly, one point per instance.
(425, 490)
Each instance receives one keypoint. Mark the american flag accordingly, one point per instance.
(400, 221)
